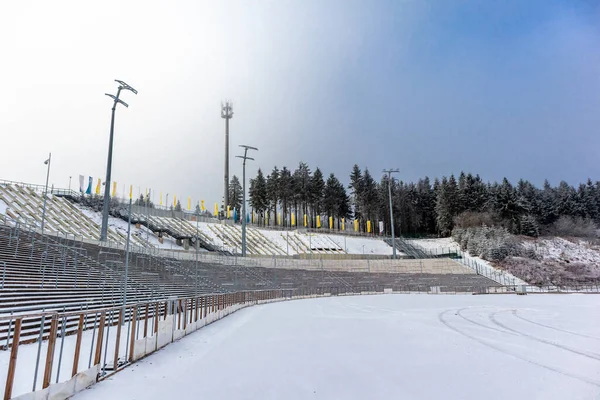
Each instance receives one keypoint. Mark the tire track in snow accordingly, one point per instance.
(515, 313)
(592, 356)
(509, 353)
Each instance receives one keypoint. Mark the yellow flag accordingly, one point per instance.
(189, 203)
(293, 219)
(279, 219)
(130, 192)
(98, 186)
(368, 226)
(355, 225)
(174, 200)
(252, 216)
(228, 211)
(330, 222)
(216, 210)
(305, 221)
(202, 206)
(318, 221)
(161, 198)
(343, 224)
(114, 191)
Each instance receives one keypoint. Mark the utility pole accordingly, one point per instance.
(389, 173)
(244, 157)
(227, 114)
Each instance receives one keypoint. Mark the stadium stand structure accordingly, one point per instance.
(44, 273)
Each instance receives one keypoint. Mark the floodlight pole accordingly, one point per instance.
(47, 162)
(122, 86)
(244, 157)
(226, 114)
(389, 173)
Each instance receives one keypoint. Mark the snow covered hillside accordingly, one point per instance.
(380, 347)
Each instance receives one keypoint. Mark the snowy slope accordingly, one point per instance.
(380, 347)
(563, 250)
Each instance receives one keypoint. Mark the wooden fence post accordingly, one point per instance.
(146, 320)
(77, 346)
(98, 354)
(133, 328)
(12, 364)
(118, 339)
(50, 353)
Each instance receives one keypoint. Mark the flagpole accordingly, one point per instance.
(48, 161)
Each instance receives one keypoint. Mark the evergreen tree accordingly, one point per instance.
(273, 195)
(258, 194)
(235, 193)
(356, 189)
(178, 206)
(317, 188)
(286, 192)
(302, 189)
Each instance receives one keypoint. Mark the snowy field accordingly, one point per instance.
(381, 347)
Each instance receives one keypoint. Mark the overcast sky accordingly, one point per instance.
(500, 88)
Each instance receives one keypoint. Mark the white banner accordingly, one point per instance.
(81, 178)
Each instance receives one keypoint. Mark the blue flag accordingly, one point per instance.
(89, 188)
(235, 216)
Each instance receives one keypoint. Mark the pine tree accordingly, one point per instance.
(356, 189)
(258, 194)
(286, 192)
(317, 188)
(178, 206)
(273, 194)
(235, 193)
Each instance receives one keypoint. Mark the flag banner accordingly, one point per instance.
(381, 227)
(160, 199)
(81, 178)
(89, 188)
(130, 192)
(330, 222)
(305, 220)
(189, 203)
(293, 219)
(368, 226)
(202, 205)
(318, 221)
(355, 225)
(235, 215)
(228, 211)
(174, 200)
(252, 216)
(248, 218)
(216, 210)
(98, 186)
(114, 191)
(343, 224)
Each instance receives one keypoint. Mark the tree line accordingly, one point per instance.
(424, 207)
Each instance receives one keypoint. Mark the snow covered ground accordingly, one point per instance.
(563, 250)
(381, 347)
(119, 225)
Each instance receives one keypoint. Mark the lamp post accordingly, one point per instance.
(389, 172)
(70, 183)
(47, 162)
(122, 86)
(244, 157)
